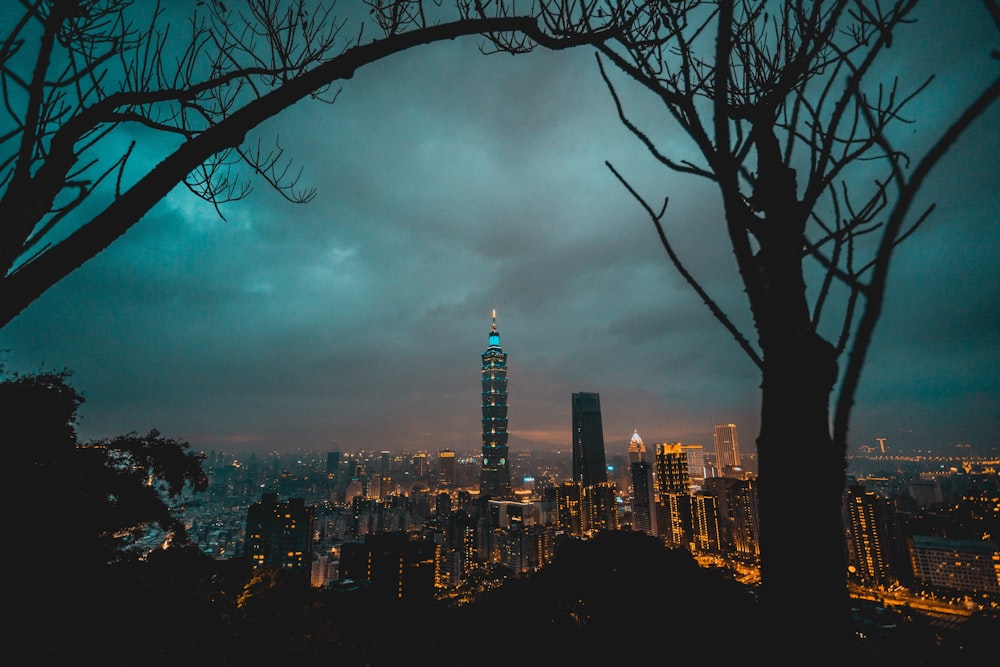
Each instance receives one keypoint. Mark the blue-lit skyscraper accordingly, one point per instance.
(494, 479)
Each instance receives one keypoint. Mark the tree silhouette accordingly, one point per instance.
(81, 509)
(85, 83)
(784, 106)
(105, 494)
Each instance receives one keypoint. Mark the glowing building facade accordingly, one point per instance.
(727, 450)
(494, 478)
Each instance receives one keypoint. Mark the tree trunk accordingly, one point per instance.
(803, 555)
(802, 538)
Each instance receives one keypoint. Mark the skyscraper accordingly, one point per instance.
(494, 478)
(643, 501)
(869, 536)
(727, 450)
(446, 467)
(589, 465)
(673, 488)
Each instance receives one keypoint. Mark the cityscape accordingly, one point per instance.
(921, 531)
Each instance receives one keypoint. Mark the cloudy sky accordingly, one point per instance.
(450, 184)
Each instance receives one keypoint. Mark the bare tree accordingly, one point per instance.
(83, 80)
(784, 105)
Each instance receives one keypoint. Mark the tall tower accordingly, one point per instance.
(494, 478)
(727, 450)
(589, 465)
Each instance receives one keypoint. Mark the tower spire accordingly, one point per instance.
(494, 333)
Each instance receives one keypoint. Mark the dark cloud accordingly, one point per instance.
(449, 184)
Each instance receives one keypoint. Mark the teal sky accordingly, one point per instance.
(450, 184)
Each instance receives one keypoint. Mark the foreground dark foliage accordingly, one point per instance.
(600, 601)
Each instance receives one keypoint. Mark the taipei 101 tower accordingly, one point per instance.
(494, 480)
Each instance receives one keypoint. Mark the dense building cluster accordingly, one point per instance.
(447, 524)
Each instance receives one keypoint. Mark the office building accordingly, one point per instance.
(671, 465)
(446, 468)
(494, 477)
(697, 470)
(643, 498)
(589, 464)
(727, 451)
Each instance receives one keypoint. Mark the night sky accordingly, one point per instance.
(450, 184)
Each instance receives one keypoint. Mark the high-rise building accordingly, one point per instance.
(672, 484)
(589, 464)
(643, 501)
(674, 518)
(705, 523)
(334, 478)
(746, 519)
(569, 508)
(332, 464)
(696, 463)
(280, 534)
(727, 450)
(419, 462)
(494, 477)
(672, 473)
(636, 454)
(446, 467)
(601, 507)
(869, 536)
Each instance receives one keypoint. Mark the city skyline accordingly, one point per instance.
(450, 184)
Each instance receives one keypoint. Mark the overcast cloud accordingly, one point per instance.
(451, 184)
